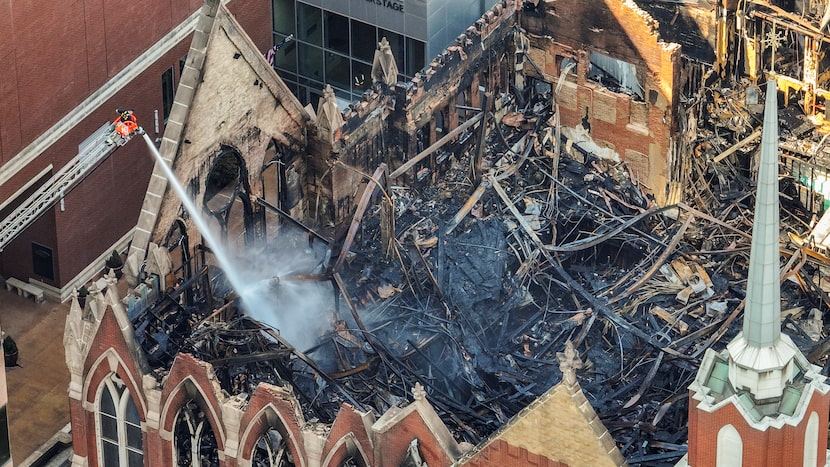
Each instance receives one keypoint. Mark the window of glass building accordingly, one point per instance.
(337, 32)
(334, 49)
(286, 57)
(362, 73)
(338, 72)
(309, 24)
(364, 41)
(284, 15)
(414, 56)
(311, 61)
(310, 95)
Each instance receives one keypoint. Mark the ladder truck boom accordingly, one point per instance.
(98, 147)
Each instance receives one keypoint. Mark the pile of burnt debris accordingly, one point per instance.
(472, 278)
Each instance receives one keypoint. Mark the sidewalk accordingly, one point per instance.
(38, 404)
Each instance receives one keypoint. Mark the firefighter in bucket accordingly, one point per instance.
(125, 124)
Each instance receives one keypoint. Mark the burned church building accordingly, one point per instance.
(520, 256)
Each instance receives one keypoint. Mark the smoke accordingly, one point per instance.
(301, 310)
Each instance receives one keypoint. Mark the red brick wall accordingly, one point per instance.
(500, 453)
(187, 370)
(772, 447)
(255, 423)
(109, 336)
(53, 55)
(255, 18)
(613, 29)
(190, 378)
(391, 445)
(102, 208)
(348, 423)
(106, 205)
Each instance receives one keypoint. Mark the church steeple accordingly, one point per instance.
(760, 361)
(762, 315)
(760, 402)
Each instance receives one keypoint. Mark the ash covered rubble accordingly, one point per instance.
(471, 279)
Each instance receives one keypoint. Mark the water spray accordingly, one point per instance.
(202, 225)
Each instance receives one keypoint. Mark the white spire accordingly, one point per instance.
(760, 358)
(762, 317)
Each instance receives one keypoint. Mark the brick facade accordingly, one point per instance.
(501, 453)
(639, 131)
(104, 349)
(769, 447)
(52, 58)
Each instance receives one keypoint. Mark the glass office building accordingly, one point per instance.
(335, 40)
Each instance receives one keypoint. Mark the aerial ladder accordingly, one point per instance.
(93, 151)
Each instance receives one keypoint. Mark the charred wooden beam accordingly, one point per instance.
(313, 365)
(358, 216)
(487, 102)
(245, 359)
(284, 214)
(466, 208)
(576, 286)
(436, 146)
(657, 263)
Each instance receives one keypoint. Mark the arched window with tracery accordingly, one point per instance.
(272, 450)
(194, 442)
(119, 425)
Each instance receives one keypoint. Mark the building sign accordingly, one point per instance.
(389, 4)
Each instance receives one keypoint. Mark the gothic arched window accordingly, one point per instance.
(272, 450)
(194, 441)
(119, 426)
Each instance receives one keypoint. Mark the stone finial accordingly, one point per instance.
(418, 392)
(569, 362)
(384, 68)
(110, 278)
(329, 118)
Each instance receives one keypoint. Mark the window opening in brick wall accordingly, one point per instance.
(811, 441)
(730, 447)
(168, 92)
(43, 261)
(440, 122)
(566, 65)
(616, 75)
